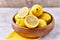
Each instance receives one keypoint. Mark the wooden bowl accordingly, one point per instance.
(33, 33)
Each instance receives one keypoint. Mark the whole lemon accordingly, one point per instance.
(17, 17)
(30, 12)
(42, 23)
(20, 22)
(37, 10)
(46, 17)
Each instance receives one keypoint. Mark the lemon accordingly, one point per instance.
(42, 23)
(30, 12)
(46, 17)
(16, 17)
(23, 12)
(37, 10)
(31, 21)
(20, 22)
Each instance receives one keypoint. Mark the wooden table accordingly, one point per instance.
(5, 22)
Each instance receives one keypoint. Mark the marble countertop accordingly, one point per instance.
(5, 23)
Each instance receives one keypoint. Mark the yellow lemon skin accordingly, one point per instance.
(17, 17)
(46, 17)
(30, 12)
(42, 23)
(20, 22)
(31, 21)
(37, 10)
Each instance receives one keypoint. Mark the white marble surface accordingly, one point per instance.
(5, 23)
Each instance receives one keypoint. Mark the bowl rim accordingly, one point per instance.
(32, 28)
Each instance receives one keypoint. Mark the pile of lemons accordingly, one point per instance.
(35, 17)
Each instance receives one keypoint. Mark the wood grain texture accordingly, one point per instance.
(33, 33)
(5, 22)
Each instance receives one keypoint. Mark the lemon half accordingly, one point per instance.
(23, 12)
(31, 21)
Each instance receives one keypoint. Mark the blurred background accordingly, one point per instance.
(29, 3)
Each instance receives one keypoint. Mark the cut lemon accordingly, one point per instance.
(31, 21)
(23, 12)
(20, 22)
(42, 23)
